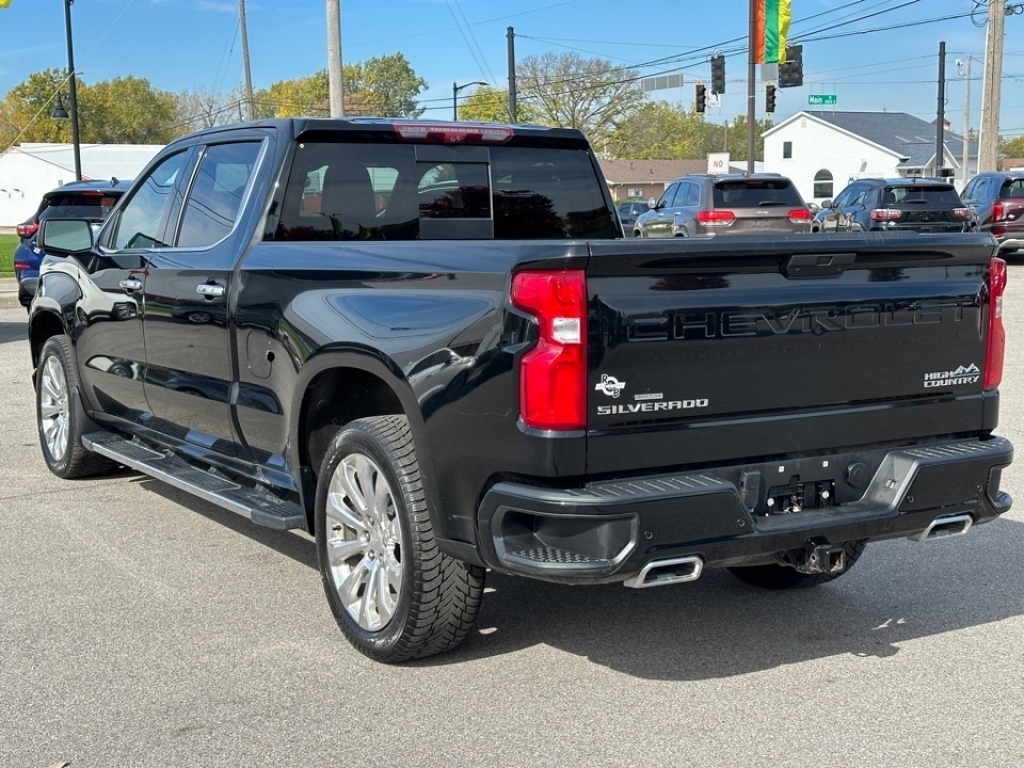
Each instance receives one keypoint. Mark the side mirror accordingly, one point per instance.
(68, 236)
(652, 203)
(826, 203)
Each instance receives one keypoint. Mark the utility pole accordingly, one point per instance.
(965, 154)
(751, 71)
(940, 122)
(511, 35)
(990, 89)
(334, 71)
(76, 143)
(250, 106)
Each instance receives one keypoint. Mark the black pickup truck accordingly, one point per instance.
(430, 346)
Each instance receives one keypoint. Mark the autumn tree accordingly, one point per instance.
(570, 91)
(490, 105)
(128, 110)
(25, 110)
(386, 86)
(198, 109)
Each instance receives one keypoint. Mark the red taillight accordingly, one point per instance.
(21, 265)
(799, 215)
(27, 230)
(553, 375)
(996, 333)
(716, 218)
(450, 133)
(998, 211)
(886, 214)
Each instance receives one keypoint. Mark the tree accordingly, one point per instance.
(25, 110)
(570, 91)
(199, 109)
(128, 110)
(490, 105)
(1011, 147)
(385, 86)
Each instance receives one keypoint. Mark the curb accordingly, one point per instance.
(8, 293)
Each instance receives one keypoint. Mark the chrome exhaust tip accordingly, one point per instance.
(945, 528)
(674, 570)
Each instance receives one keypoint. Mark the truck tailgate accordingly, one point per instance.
(711, 350)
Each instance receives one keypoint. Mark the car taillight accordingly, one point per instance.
(553, 375)
(716, 218)
(886, 214)
(996, 350)
(799, 215)
(998, 211)
(27, 230)
(21, 265)
(962, 213)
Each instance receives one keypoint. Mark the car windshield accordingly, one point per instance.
(756, 193)
(940, 197)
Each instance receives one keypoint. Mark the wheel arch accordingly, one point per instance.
(336, 388)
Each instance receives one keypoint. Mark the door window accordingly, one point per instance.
(692, 196)
(216, 194)
(667, 196)
(143, 219)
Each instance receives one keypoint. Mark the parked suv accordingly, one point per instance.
(88, 200)
(921, 205)
(629, 210)
(704, 204)
(997, 200)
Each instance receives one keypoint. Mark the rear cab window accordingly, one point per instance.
(394, 190)
(1012, 188)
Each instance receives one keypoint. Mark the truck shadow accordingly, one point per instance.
(719, 627)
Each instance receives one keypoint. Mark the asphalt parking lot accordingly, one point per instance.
(142, 627)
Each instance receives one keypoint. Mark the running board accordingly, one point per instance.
(261, 507)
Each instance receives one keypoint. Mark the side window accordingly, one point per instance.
(216, 194)
(692, 196)
(844, 197)
(969, 191)
(142, 219)
(787, 150)
(665, 201)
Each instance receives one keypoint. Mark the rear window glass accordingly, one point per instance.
(756, 193)
(91, 207)
(941, 197)
(342, 191)
(1013, 188)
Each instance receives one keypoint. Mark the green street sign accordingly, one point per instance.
(821, 99)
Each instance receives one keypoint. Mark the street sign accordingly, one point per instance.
(718, 162)
(714, 99)
(821, 99)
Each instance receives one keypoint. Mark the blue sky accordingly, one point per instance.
(194, 44)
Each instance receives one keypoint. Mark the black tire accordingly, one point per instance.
(438, 597)
(774, 576)
(60, 434)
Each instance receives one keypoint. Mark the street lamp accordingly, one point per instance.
(59, 111)
(455, 96)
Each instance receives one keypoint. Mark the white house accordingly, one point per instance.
(28, 171)
(823, 151)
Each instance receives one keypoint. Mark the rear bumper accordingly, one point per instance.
(612, 530)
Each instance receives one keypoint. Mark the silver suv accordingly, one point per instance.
(703, 204)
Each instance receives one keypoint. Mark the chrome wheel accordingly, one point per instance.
(364, 542)
(53, 408)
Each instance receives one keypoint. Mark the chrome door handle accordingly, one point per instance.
(131, 284)
(210, 290)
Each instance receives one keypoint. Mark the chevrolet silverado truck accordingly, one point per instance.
(430, 346)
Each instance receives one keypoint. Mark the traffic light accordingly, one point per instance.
(718, 74)
(791, 71)
(769, 98)
(702, 97)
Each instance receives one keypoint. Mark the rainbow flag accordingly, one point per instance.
(772, 25)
